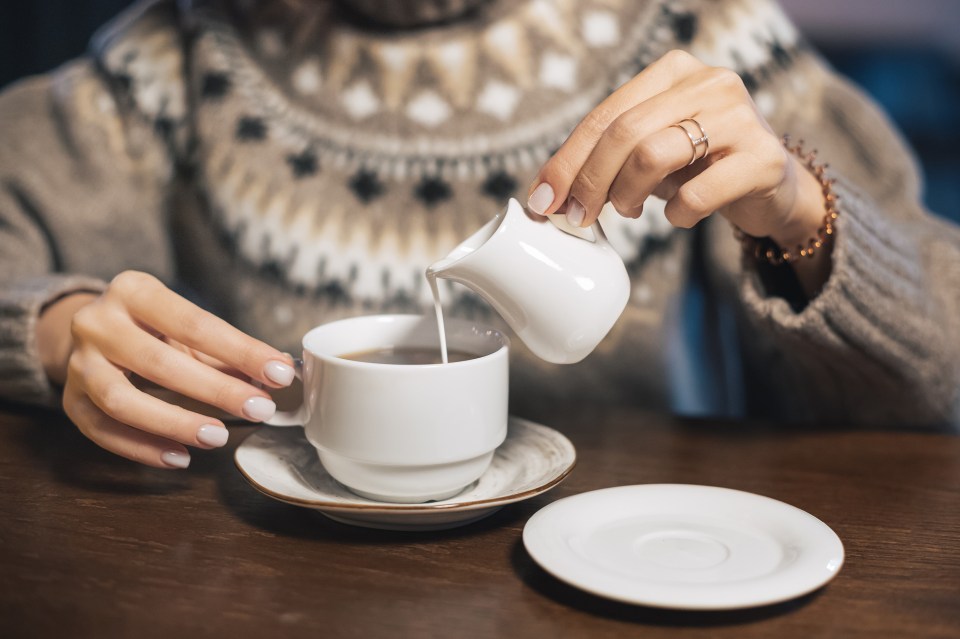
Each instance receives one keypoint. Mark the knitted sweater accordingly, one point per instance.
(288, 169)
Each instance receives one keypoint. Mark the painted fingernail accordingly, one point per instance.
(278, 372)
(258, 409)
(212, 435)
(541, 198)
(175, 459)
(575, 212)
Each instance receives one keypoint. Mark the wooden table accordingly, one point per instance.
(94, 546)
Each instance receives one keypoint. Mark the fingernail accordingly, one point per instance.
(175, 459)
(278, 372)
(541, 198)
(259, 409)
(212, 435)
(575, 212)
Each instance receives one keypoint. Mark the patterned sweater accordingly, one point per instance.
(287, 167)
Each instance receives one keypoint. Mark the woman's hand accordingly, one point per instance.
(627, 149)
(138, 326)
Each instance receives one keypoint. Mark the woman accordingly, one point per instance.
(290, 163)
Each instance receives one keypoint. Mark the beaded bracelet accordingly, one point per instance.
(765, 248)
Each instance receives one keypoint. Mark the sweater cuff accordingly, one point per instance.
(22, 378)
(876, 313)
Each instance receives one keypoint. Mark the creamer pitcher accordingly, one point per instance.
(561, 294)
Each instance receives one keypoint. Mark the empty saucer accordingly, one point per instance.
(685, 547)
(281, 463)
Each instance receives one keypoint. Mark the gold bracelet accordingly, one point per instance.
(764, 248)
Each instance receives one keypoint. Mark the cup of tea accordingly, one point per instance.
(388, 419)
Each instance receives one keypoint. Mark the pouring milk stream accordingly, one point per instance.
(561, 291)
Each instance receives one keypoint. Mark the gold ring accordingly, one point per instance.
(695, 141)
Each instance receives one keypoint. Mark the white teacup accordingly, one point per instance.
(402, 433)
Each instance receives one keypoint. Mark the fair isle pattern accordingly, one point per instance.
(344, 171)
(464, 81)
(142, 53)
(446, 187)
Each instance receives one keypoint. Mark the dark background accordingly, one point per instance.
(905, 54)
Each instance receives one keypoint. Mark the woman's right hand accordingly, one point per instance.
(139, 326)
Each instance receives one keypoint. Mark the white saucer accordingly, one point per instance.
(282, 464)
(685, 547)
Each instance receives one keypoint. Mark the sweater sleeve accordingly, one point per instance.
(880, 343)
(84, 173)
(22, 378)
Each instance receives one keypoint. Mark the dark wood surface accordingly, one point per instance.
(94, 546)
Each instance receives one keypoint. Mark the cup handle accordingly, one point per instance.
(297, 416)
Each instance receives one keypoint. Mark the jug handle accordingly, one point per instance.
(599, 235)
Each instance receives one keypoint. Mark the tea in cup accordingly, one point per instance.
(388, 420)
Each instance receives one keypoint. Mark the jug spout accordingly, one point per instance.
(447, 267)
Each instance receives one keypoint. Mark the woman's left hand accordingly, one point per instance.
(627, 149)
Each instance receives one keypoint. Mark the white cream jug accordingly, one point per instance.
(561, 291)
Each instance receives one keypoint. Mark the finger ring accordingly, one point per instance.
(695, 141)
